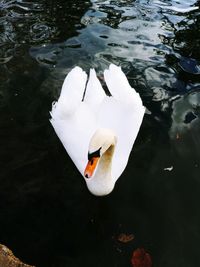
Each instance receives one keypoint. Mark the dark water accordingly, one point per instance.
(47, 216)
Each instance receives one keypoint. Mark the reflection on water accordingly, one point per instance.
(47, 215)
(36, 22)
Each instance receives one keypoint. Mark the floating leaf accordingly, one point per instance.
(141, 258)
(125, 238)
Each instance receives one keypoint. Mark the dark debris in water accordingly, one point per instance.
(189, 117)
(189, 65)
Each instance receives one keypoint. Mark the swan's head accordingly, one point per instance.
(102, 143)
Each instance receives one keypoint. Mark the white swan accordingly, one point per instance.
(97, 128)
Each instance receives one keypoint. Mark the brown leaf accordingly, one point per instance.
(141, 258)
(125, 238)
(177, 136)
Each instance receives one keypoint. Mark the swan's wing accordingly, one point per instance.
(75, 133)
(71, 93)
(119, 86)
(123, 112)
(94, 94)
(71, 118)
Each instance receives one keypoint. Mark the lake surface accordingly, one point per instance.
(47, 216)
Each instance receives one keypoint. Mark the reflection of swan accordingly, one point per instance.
(99, 129)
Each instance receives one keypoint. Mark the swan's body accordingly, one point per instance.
(98, 125)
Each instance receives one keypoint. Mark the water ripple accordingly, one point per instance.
(141, 35)
(35, 22)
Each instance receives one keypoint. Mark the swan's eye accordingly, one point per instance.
(95, 154)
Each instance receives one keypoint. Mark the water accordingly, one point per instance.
(48, 217)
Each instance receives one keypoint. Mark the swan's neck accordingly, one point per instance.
(102, 183)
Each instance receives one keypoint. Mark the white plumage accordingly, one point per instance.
(76, 120)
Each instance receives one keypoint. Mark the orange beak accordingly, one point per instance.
(91, 166)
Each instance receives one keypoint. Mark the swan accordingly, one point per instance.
(98, 131)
